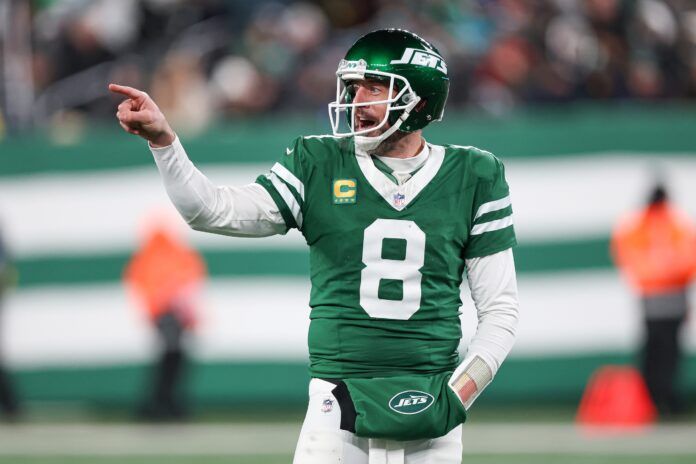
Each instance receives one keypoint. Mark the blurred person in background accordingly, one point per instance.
(392, 222)
(655, 248)
(165, 275)
(8, 277)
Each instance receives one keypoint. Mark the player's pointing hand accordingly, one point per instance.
(139, 115)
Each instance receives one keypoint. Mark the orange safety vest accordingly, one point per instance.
(656, 249)
(164, 273)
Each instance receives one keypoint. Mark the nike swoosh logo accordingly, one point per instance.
(289, 151)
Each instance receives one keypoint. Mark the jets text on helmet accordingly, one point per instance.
(422, 58)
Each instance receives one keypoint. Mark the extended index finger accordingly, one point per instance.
(127, 91)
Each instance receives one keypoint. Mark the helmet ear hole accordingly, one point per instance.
(421, 104)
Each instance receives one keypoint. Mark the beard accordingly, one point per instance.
(389, 143)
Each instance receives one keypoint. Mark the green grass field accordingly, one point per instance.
(273, 442)
(285, 459)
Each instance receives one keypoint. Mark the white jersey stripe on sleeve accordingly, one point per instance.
(283, 172)
(492, 206)
(288, 197)
(498, 224)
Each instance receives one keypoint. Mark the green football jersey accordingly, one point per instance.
(387, 260)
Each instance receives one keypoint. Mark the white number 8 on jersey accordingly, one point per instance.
(378, 268)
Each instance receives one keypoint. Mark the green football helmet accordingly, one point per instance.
(416, 75)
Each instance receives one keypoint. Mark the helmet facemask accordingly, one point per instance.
(402, 101)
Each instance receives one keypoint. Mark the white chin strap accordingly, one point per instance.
(369, 144)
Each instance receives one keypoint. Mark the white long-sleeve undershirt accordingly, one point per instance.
(246, 211)
(249, 211)
(493, 286)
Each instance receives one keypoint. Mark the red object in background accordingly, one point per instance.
(616, 396)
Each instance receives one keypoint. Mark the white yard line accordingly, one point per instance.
(248, 439)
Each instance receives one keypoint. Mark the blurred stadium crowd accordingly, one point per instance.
(208, 59)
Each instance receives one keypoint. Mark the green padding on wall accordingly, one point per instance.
(547, 131)
(590, 253)
(259, 383)
(529, 257)
(109, 268)
(112, 384)
(559, 379)
(263, 383)
(250, 384)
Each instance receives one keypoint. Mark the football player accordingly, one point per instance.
(392, 222)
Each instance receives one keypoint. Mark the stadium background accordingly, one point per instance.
(586, 102)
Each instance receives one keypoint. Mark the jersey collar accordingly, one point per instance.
(400, 196)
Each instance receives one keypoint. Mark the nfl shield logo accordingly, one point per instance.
(399, 199)
(327, 405)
